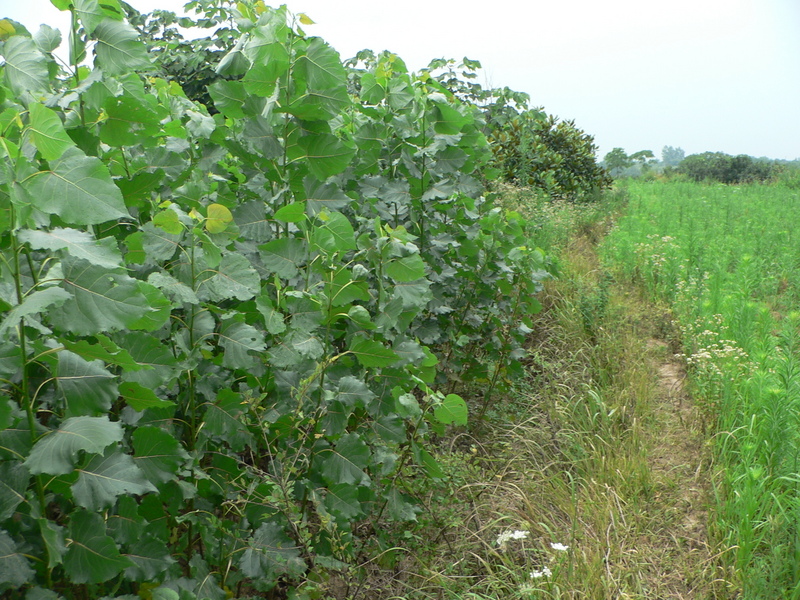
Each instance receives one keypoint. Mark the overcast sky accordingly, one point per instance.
(705, 75)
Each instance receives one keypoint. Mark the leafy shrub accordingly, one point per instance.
(721, 167)
(226, 337)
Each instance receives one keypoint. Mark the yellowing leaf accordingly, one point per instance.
(6, 29)
(305, 19)
(218, 218)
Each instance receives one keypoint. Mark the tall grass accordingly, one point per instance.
(728, 260)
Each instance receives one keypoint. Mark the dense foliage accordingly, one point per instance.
(540, 151)
(724, 168)
(227, 337)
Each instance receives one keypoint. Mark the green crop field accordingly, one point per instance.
(727, 259)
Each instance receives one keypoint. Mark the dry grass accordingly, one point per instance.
(597, 449)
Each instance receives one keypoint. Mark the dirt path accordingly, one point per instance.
(679, 462)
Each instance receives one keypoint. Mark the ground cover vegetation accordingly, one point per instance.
(725, 259)
(235, 316)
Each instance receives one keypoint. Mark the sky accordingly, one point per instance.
(703, 75)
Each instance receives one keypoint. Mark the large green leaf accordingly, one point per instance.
(452, 410)
(157, 453)
(102, 301)
(283, 256)
(77, 188)
(15, 571)
(222, 420)
(235, 277)
(26, 66)
(229, 98)
(34, 303)
(49, 135)
(335, 234)
(119, 50)
(371, 353)
(270, 553)
(151, 557)
(57, 452)
(141, 398)
(129, 121)
(104, 350)
(346, 462)
(106, 477)
(342, 501)
(161, 365)
(89, 390)
(14, 479)
(93, 557)
(80, 244)
(92, 12)
(407, 268)
(241, 343)
(54, 539)
(325, 154)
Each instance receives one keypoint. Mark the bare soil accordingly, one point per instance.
(679, 554)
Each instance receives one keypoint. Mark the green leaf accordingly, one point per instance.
(233, 278)
(321, 196)
(150, 557)
(102, 301)
(47, 38)
(104, 350)
(34, 303)
(53, 536)
(160, 308)
(161, 365)
(25, 67)
(14, 479)
(15, 571)
(222, 420)
(129, 121)
(158, 454)
(106, 477)
(92, 12)
(335, 234)
(452, 410)
(168, 220)
(400, 506)
(272, 318)
(56, 453)
(240, 341)
(228, 97)
(325, 154)
(342, 501)
(93, 557)
(49, 135)
(406, 269)
(291, 213)
(341, 289)
(118, 50)
(270, 553)
(345, 463)
(283, 256)
(80, 244)
(179, 292)
(371, 353)
(77, 188)
(89, 390)
(141, 398)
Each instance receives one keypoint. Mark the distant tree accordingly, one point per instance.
(718, 166)
(617, 161)
(672, 157)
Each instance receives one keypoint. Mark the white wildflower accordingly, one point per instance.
(558, 546)
(545, 572)
(508, 535)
